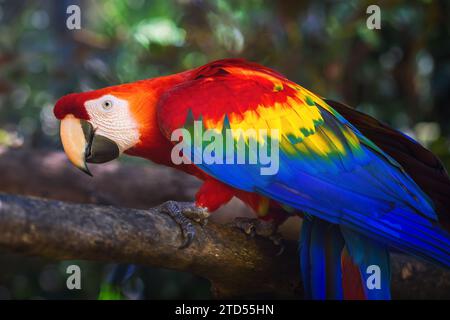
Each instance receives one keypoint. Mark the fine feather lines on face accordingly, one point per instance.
(112, 118)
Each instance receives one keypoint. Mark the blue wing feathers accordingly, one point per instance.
(365, 190)
(367, 196)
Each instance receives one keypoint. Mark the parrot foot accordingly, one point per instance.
(261, 228)
(183, 213)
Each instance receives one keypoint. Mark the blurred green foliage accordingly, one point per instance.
(400, 74)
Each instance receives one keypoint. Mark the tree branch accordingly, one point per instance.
(235, 264)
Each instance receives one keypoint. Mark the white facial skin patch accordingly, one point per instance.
(111, 118)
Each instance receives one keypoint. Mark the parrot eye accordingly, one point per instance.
(107, 104)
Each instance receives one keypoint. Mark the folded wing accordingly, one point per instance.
(327, 167)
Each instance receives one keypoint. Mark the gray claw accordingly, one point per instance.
(246, 225)
(189, 236)
(264, 229)
(183, 213)
(277, 241)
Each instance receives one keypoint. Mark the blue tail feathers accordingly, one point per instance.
(321, 246)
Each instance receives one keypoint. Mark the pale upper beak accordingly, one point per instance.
(82, 145)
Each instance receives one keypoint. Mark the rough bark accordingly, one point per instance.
(235, 264)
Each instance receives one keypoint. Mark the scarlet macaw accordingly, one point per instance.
(363, 188)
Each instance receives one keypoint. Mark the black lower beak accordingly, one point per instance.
(82, 144)
(99, 149)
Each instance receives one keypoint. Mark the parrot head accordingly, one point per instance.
(98, 126)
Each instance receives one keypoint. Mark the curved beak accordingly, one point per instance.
(82, 145)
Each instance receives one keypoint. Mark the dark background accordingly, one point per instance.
(399, 74)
